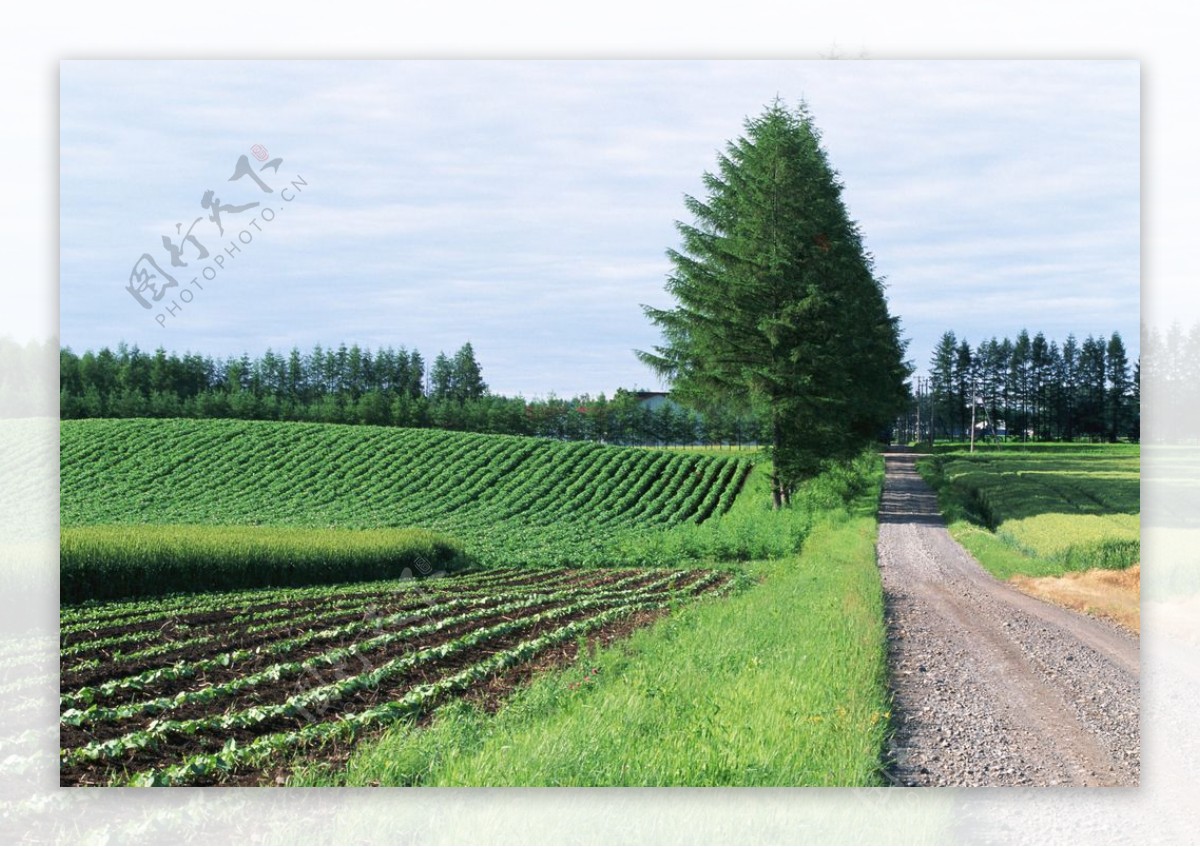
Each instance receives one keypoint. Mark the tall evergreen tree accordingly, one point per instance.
(1117, 365)
(941, 384)
(992, 362)
(1018, 384)
(1039, 381)
(778, 306)
(441, 378)
(964, 387)
(467, 375)
(1069, 394)
(1093, 388)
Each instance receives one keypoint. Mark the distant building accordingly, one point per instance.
(654, 400)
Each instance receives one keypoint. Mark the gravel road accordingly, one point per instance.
(992, 687)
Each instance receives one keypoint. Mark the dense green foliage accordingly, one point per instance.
(778, 308)
(1045, 511)
(246, 685)
(783, 684)
(459, 378)
(1031, 389)
(506, 499)
(106, 562)
(352, 385)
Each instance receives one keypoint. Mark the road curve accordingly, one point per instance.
(992, 687)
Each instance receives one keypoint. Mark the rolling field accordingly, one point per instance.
(506, 499)
(1044, 511)
(205, 687)
(230, 614)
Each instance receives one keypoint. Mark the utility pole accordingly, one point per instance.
(972, 450)
(919, 433)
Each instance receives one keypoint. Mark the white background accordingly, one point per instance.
(34, 39)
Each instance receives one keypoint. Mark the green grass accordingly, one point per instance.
(107, 562)
(783, 684)
(507, 499)
(1042, 510)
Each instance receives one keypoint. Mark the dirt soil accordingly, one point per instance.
(992, 687)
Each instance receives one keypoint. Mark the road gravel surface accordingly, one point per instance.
(992, 687)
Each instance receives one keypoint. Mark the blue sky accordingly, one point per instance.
(527, 206)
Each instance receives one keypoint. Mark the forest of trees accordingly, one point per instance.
(1031, 389)
(354, 385)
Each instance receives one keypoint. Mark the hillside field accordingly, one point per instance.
(232, 613)
(506, 499)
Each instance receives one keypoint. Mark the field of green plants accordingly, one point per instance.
(212, 686)
(782, 684)
(277, 641)
(1042, 510)
(506, 499)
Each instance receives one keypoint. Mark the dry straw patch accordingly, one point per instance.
(1114, 595)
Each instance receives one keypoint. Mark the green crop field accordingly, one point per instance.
(1042, 511)
(245, 680)
(507, 499)
(231, 614)
(783, 684)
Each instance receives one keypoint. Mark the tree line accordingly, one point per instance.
(356, 385)
(1031, 388)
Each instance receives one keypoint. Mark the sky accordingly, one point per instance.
(527, 206)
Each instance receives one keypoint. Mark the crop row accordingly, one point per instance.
(227, 607)
(305, 703)
(98, 660)
(92, 616)
(264, 748)
(476, 606)
(505, 498)
(399, 666)
(210, 694)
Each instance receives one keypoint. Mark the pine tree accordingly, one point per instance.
(941, 384)
(1093, 388)
(1117, 366)
(467, 375)
(778, 307)
(964, 387)
(1019, 367)
(441, 378)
